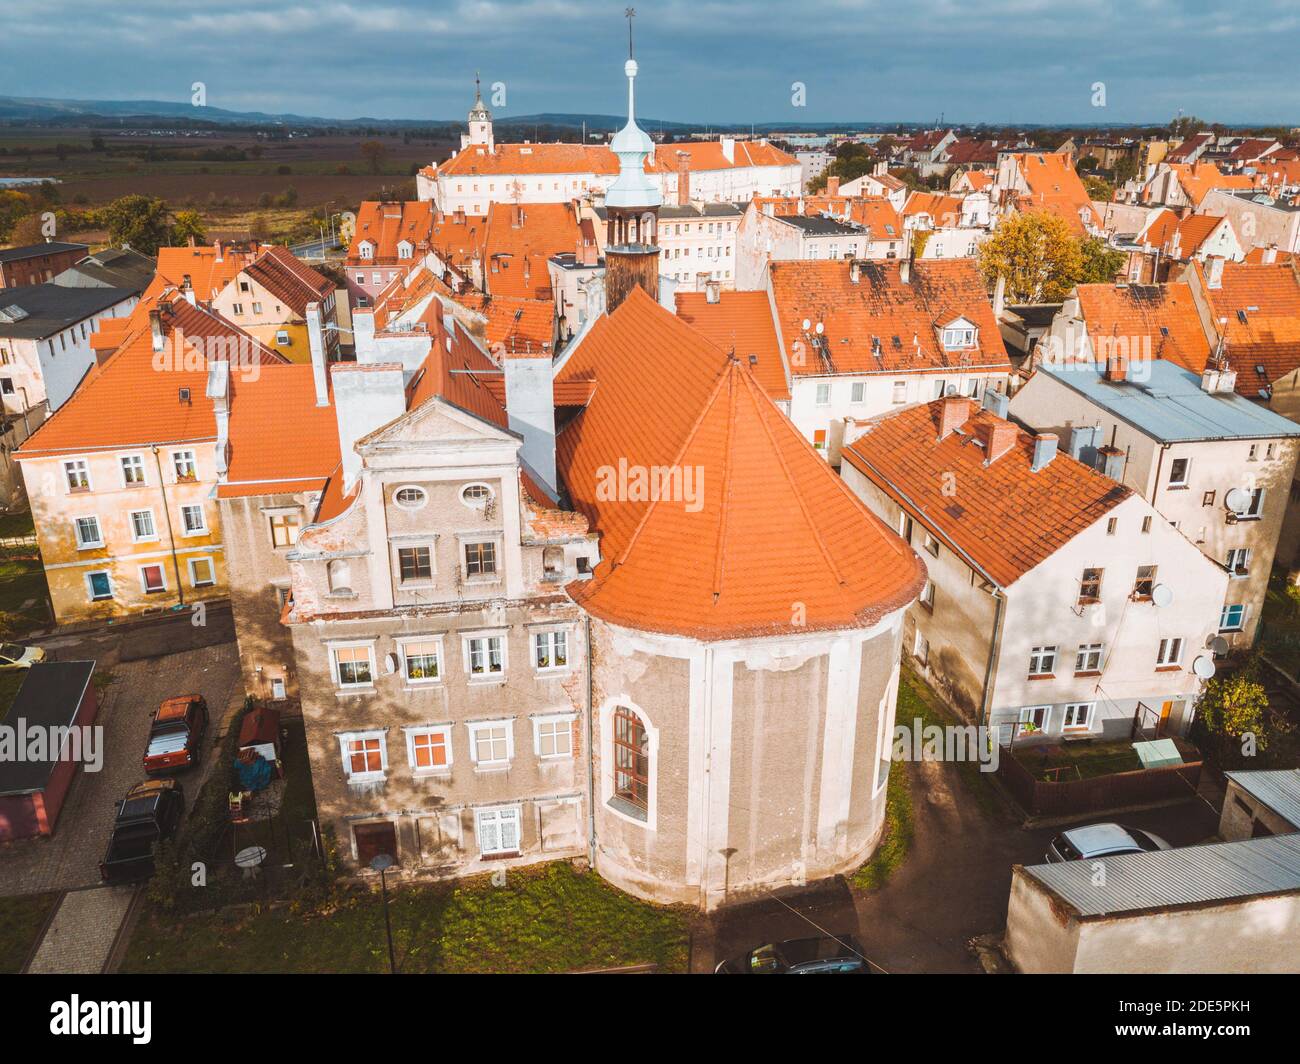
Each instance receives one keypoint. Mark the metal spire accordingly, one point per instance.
(629, 14)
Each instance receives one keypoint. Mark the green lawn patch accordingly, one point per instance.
(544, 919)
(1078, 761)
(24, 598)
(897, 839)
(21, 920)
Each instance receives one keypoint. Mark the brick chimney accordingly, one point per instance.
(216, 247)
(953, 412)
(683, 178)
(832, 186)
(517, 216)
(998, 437)
(712, 291)
(1116, 368)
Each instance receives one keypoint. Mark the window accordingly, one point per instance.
(631, 760)
(1111, 526)
(1146, 525)
(1090, 586)
(1238, 563)
(1078, 716)
(353, 666)
(858, 394)
(152, 579)
(413, 564)
(940, 389)
(1169, 653)
(1035, 718)
(931, 544)
(88, 534)
(1207, 498)
(1252, 453)
(1178, 471)
(284, 530)
(1254, 505)
(1088, 658)
(475, 495)
(484, 655)
(99, 586)
(899, 392)
(193, 522)
(365, 755)
(142, 525)
(132, 470)
(551, 650)
(480, 559)
(1233, 618)
(202, 572)
(927, 595)
(1145, 583)
(236, 309)
(1268, 451)
(78, 474)
(185, 466)
(823, 393)
(421, 660)
(553, 735)
(410, 497)
(282, 337)
(497, 830)
(491, 743)
(961, 337)
(429, 749)
(1042, 661)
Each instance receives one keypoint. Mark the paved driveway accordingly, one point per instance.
(70, 858)
(952, 887)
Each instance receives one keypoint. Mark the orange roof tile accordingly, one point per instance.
(200, 264)
(1199, 178)
(762, 536)
(1261, 305)
(740, 323)
(385, 224)
(520, 240)
(1056, 188)
(1161, 319)
(943, 211)
(1006, 519)
(292, 282)
(880, 324)
(597, 159)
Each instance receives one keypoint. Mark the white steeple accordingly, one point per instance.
(480, 122)
(632, 187)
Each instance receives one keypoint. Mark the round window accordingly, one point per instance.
(475, 495)
(410, 498)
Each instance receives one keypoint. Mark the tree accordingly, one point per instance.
(1235, 707)
(375, 152)
(1037, 254)
(1101, 263)
(141, 221)
(188, 224)
(1098, 188)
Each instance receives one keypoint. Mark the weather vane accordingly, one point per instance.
(629, 14)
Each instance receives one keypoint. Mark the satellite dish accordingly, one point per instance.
(1162, 595)
(1218, 645)
(820, 328)
(390, 663)
(806, 325)
(1236, 499)
(1203, 667)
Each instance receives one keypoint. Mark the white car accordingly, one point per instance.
(12, 656)
(1102, 840)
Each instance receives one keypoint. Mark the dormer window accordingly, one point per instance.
(366, 249)
(404, 250)
(958, 335)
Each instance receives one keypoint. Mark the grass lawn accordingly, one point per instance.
(544, 919)
(21, 919)
(23, 595)
(1079, 761)
(13, 525)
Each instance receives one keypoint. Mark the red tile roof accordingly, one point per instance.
(1199, 178)
(292, 282)
(520, 240)
(207, 275)
(385, 225)
(943, 211)
(1056, 188)
(905, 319)
(1006, 519)
(1261, 305)
(776, 537)
(740, 323)
(1159, 318)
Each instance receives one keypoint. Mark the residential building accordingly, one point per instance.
(698, 242)
(1186, 185)
(1059, 603)
(741, 324)
(1259, 219)
(34, 264)
(1045, 181)
(110, 268)
(386, 240)
(860, 338)
(1214, 464)
(268, 298)
(770, 238)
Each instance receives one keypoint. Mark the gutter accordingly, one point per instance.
(171, 535)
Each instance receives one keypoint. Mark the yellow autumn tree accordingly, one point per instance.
(1037, 254)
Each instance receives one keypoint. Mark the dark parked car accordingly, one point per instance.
(176, 735)
(147, 815)
(1101, 840)
(801, 956)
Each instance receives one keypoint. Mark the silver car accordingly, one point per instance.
(1101, 840)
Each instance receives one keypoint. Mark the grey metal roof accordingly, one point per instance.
(819, 224)
(47, 309)
(1188, 876)
(1166, 402)
(110, 268)
(50, 696)
(35, 251)
(1279, 789)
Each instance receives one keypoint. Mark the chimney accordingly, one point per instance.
(729, 149)
(855, 271)
(953, 412)
(218, 390)
(316, 342)
(216, 247)
(1044, 450)
(1083, 443)
(995, 402)
(156, 329)
(530, 407)
(683, 178)
(1112, 462)
(1214, 272)
(1116, 368)
(1176, 245)
(366, 397)
(517, 216)
(1270, 254)
(905, 270)
(712, 291)
(192, 242)
(881, 169)
(999, 297)
(998, 437)
(832, 186)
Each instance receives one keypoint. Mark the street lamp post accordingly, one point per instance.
(381, 863)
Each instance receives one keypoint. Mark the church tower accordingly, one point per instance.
(480, 122)
(631, 207)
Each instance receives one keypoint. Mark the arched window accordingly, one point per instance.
(340, 577)
(631, 759)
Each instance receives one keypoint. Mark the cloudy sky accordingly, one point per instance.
(701, 60)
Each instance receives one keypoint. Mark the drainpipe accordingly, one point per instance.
(171, 536)
(998, 612)
(591, 753)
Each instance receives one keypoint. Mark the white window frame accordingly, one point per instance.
(1187, 473)
(1038, 656)
(1238, 564)
(898, 394)
(470, 637)
(1026, 716)
(1223, 616)
(559, 723)
(1089, 656)
(822, 388)
(1255, 508)
(212, 567)
(360, 736)
(144, 586)
(97, 542)
(153, 536)
(1169, 652)
(422, 681)
(496, 815)
(858, 393)
(413, 733)
(82, 467)
(203, 529)
(1086, 725)
(334, 648)
(476, 726)
(186, 457)
(90, 588)
(410, 506)
(546, 634)
(137, 460)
